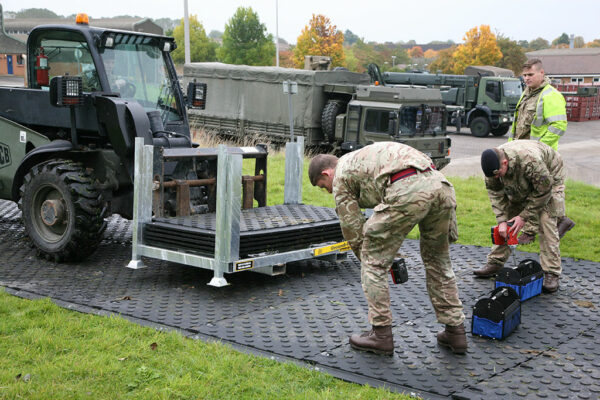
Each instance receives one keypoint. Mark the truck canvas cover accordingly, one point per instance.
(255, 94)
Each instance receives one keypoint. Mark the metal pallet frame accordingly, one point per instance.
(228, 209)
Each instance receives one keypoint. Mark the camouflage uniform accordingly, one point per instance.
(525, 115)
(532, 188)
(362, 180)
(526, 112)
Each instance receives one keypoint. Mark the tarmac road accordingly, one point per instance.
(580, 148)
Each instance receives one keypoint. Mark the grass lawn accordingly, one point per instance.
(47, 352)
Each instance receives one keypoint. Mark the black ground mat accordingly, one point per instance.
(307, 315)
(265, 229)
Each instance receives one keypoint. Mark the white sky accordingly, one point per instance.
(383, 20)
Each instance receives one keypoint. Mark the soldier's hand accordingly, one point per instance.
(502, 229)
(517, 224)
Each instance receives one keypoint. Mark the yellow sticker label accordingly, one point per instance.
(245, 264)
(341, 247)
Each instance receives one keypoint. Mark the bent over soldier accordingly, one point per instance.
(540, 115)
(404, 189)
(525, 182)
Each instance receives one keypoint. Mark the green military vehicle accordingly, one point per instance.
(67, 139)
(484, 99)
(334, 110)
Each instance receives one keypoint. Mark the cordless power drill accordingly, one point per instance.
(497, 239)
(512, 241)
(398, 271)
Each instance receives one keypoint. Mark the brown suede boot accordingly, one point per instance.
(378, 340)
(564, 224)
(454, 337)
(550, 284)
(488, 270)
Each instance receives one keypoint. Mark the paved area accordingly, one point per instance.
(306, 316)
(580, 148)
(11, 80)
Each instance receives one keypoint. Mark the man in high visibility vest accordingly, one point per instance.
(541, 116)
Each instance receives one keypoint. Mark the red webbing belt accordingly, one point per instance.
(405, 173)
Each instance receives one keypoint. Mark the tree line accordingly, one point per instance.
(245, 40)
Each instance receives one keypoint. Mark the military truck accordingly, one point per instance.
(483, 100)
(334, 110)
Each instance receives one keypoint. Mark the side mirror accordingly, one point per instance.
(392, 123)
(66, 91)
(196, 95)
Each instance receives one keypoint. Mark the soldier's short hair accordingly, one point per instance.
(318, 164)
(533, 61)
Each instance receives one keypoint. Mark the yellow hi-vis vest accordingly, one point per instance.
(550, 120)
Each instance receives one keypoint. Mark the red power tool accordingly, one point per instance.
(512, 242)
(497, 239)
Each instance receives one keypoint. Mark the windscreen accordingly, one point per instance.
(512, 88)
(422, 119)
(139, 72)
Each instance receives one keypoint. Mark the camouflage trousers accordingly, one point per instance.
(428, 200)
(548, 235)
(558, 195)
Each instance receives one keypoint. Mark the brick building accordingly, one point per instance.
(579, 66)
(12, 52)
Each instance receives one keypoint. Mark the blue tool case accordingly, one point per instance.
(498, 315)
(527, 278)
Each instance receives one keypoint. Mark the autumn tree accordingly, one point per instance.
(245, 40)
(513, 55)
(593, 43)
(286, 58)
(201, 47)
(578, 42)
(320, 38)
(480, 48)
(416, 52)
(444, 61)
(386, 55)
(430, 53)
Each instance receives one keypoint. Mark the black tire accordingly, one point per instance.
(500, 130)
(480, 127)
(332, 109)
(73, 228)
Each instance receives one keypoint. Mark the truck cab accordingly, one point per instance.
(500, 96)
(410, 115)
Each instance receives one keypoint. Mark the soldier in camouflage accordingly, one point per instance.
(525, 182)
(540, 115)
(404, 189)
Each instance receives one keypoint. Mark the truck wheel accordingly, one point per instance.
(332, 109)
(501, 130)
(480, 127)
(63, 213)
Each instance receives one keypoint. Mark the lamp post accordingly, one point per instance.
(186, 32)
(393, 61)
(277, 33)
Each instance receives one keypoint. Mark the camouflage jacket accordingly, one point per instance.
(526, 111)
(360, 181)
(533, 170)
